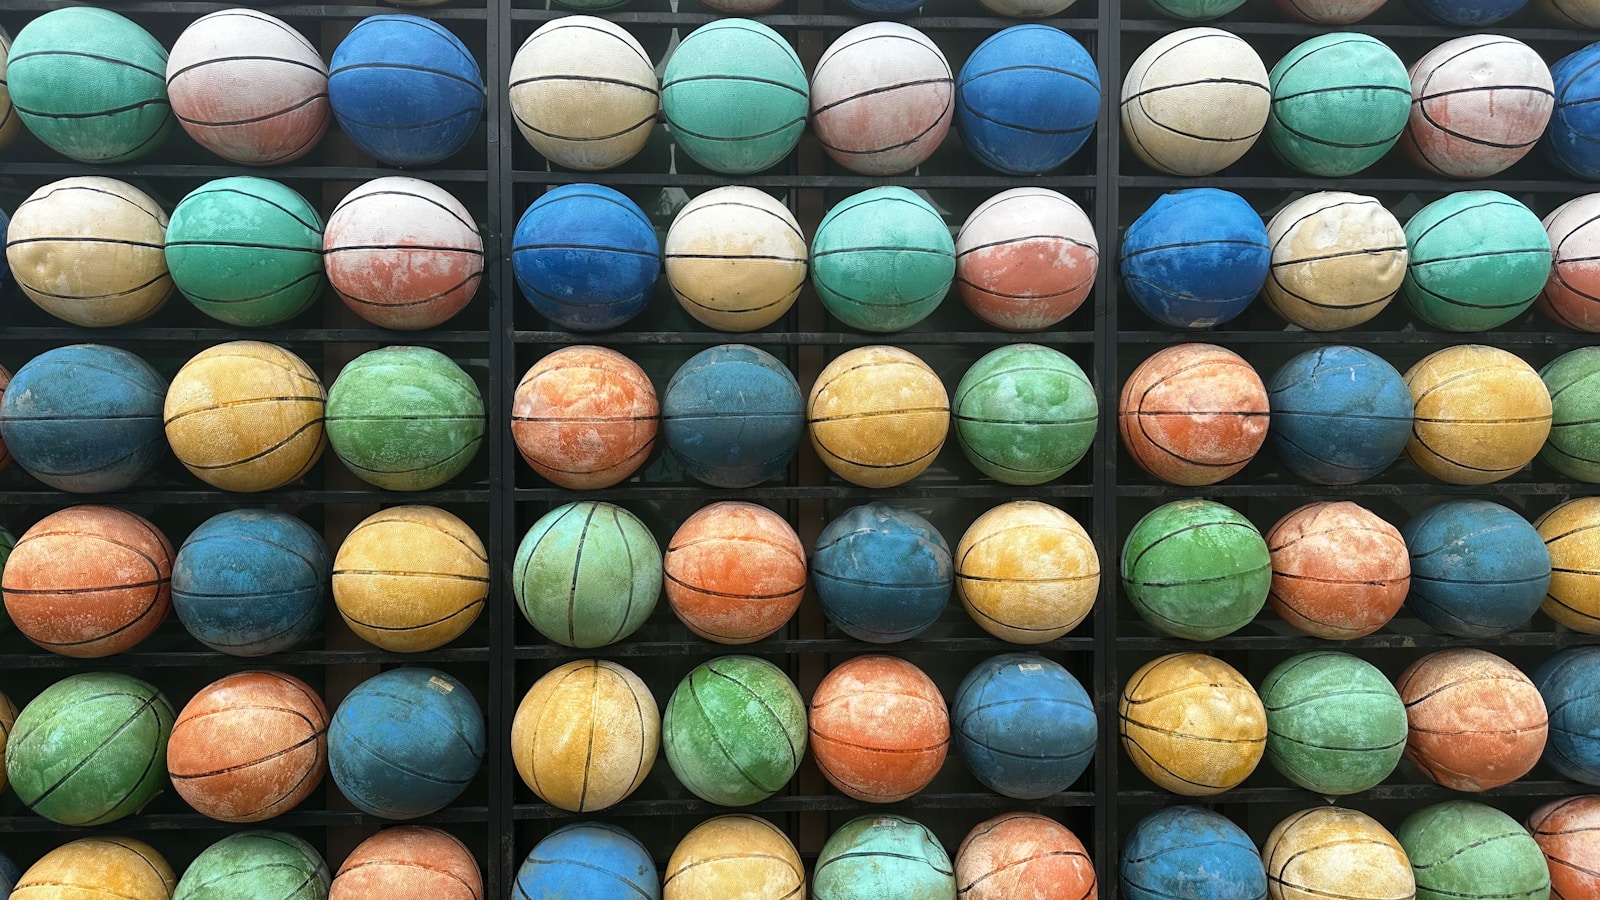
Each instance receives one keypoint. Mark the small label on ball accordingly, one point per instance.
(1029, 667)
(440, 685)
(885, 823)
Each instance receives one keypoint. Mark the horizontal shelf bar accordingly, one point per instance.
(1380, 489)
(655, 649)
(1364, 338)
(194, 821)
(805, 492)
(277, 173)
(1382, 641)
(1312, 29)
(221, 335)
(782, 21)
(824, 803)
(198, 659)
(662, 179)
(156, 496)
(1381, 792)
(1421, 183)
(804, 338)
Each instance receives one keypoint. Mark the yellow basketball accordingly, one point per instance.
(735, 259)
(1192, 724)
(586, 735)
(1328, 853)
(1571, 533)
(1337, 260)
(1027, 572)
(735, 858)
(98, 867)
(878, 416)
(411, 578)
(1482, 414)
(8, 718)
(584, 93)
(246, 416)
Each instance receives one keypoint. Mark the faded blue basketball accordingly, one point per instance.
(882, 573)
(1196, 258)
(1027, 99)
(886, 7)
(9, 873)
(1477, 568)
(588, 861)
(405, 90)
(249, 582)
(586, 257)
(1024, 725)
(732, 416)
(1191, 853)
(85, 418)
(405, 743)
(1569, 682)
(1469, 13)
(1573, 136)
(1339, 414)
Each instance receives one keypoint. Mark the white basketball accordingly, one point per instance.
(1195, 101)
(1026, 259)
(584, 93)
(1337, 260)
(1478, 104)
(10, 122)
(881, 99)
(735, 259)
(1572, 295)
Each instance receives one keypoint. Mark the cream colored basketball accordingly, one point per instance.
(1481, 414)
(735, 259)
(91, 251)
(1195, 101)
(734, 858)
(1192, 724)
(878, 416)
(1337, 260)
(10, 122)
(586, 735)
(1328, 853)
(411, 578)
(1027, 572)
(584, 93)
(1571, 533)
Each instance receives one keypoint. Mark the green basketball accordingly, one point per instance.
(734, 96)
(1196, 10)
(1573, 448)
(735, 730)
(587, 574)
(90, 84)
(882, 260)
(1335, 725)
(1478, 260)
(1339, 102)
(1025, 414)
(256, 865)
(405, 418)
(1196, 569)
(246, 251)
(1462, 850)
(90, 748)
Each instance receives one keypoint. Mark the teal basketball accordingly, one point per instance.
(90, 84)
(1196, 569)
(1478, 260)
(882, 260)
(587, 574)
(246, 251)
(735, 730)
(1573, 448)
(1025, 414)
(1339, 102)
(1335, 725)
(1462, 850)
(256, 865)
(1196, 10)
(405, 418)
(735, 97)
(883, 857)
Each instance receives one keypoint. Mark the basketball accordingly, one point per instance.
(733, 416)
(1329, 12)
(882, 573)
(1026, 259)
(1463, 849)
(90, 251)
(735, 572)
(405, 90)
(1027, 9)
(1578, 13)
(1479, 103)
(1565, 831)
(8, 719)
(9, 873)
(249, 582)
(248, 87)
(585, 417)
(89, 581)
(1025, 414)
(1192, 724)
(1338, 571)
(884, 857)
(1481, 414)
(585, 736)
(584, 93)
(90, 749)
(1018, 854)
(879, 730)
(1195, 258)
(1193, 414)
(588, 859)
(734, 731)
(117, 866)
(1027, 99)
(1476, 721)
(1569, 532)
(1478, 260)
(1573, 448)
(1190, 853)
(1196, 569)
(587, 574)
(411, 578)
(1574, 127)
(409, 861)
(1027, 572)
(1195, 101)
(1567, 682)
(5, 454)
(1340, 415)
(263, 865)
(878, 416)
(1470, 13)
(1337, 260)
(402, 253)
(586, 257)
(85, 418)
(882, 96)
(1326, 852)
(1339, 102)
(405, 418)
(735, 857)
(882, 260)
(1572, 295)
(1195, 10)
(10, 127)
(1478, 569)
(735, 259)
(1024, 726)
(1335, 725)
(734, 96)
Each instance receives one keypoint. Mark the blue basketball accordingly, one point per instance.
(885, 7)
(9, 873)
(733, 416)
(1573, 136)
(1027, 99)
(591, 861)
(1190, 853)
(1469, 13)
(586, 257)
(85, 418)
(1024, 725)
(1569, 682)
(405, 743)
(1477, 568)
(882, 573)
(1196, 258)
(1339, 414)
(249, 582)
(405, 89)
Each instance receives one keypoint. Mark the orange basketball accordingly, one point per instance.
(879, 728)
(1193, 414)
(249, 746)
(1019, 855)
(410, 861)
(1568, 831)
(735, 572)
(1476, 721)
(585, 417)
(89, 581)
(1338, 571)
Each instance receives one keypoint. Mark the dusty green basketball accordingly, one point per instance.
(1025, 414)
(1196, 569)
(1196, 10)
(735, 730)
(1335, 725)
(1461, 850)
(405, 418)
(256, 865)
(587, 574)
(1339, 103)
(882, 260)
(1478, 260)
(1573, 448)
(735, 97)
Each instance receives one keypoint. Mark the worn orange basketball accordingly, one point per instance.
(879, 728)
(1568, 831)
(735, 572)
(249, 746)
(409, 861)
(89, 581)
(1338, 571)
(1023, 855)
(1193, 414)
(1476, 722)
(585, 417)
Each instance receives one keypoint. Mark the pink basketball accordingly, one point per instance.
(881, 99)
(1026, 259)
(1572, 295)
(1478, 104)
